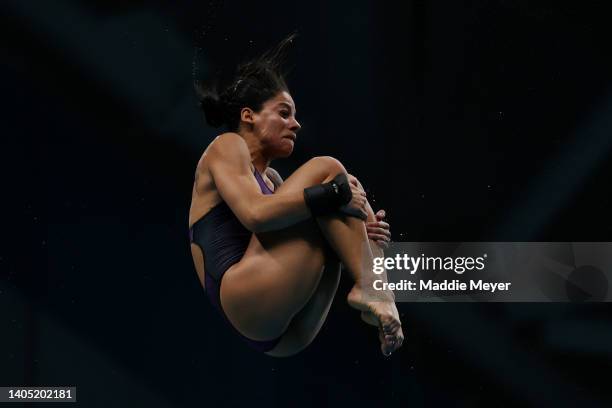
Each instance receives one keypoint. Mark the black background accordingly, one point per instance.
(466, 121)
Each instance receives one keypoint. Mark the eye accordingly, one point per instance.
(284, 114)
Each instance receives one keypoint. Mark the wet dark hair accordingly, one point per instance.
(252, 84)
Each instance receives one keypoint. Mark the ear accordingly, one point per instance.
(246, 115)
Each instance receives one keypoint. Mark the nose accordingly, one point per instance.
(295, 126)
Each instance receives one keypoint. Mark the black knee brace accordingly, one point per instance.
(324, 199)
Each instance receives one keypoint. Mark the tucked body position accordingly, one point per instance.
(268, 252)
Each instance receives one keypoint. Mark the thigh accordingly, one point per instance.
(315, 171)
(275, 278)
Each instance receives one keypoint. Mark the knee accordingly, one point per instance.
(331, 166)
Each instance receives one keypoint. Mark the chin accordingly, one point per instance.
(285, 153)
(284, 150)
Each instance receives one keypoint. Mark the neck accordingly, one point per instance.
(259, 160)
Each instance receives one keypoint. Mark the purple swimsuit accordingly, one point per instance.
(224, 240)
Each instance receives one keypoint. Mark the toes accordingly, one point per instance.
(399, 338)
(391, 327)
(391, 340)
(389, 332)
(385, 347)
(390, 343)
(394, 341)
(386, 350)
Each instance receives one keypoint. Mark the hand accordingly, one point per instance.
(378, 231)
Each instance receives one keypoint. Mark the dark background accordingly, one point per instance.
(466, 121)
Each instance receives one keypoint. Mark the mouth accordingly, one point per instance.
(291, 136)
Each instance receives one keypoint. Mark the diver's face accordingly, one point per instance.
(276, 126)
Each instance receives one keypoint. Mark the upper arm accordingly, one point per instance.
(229, 163)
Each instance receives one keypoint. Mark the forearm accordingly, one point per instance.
(278, 211)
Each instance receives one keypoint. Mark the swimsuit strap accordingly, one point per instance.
(262, 184)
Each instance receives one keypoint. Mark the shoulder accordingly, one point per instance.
(229, 147)
(227, 141)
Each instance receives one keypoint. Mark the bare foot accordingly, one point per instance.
(369, 318)
(382, 314)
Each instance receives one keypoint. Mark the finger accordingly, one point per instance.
(379, 231)
(381, 214)
(358, 192)
(373, 230)
(383, 224)
(378, 237)
(378, 224)
(375, 226)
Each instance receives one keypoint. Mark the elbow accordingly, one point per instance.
(261, 221)
(262, 218)
(255, 222)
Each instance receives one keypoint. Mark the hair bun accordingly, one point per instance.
(213, 110)
(211, 104)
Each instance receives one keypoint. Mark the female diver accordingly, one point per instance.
(268, 252)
